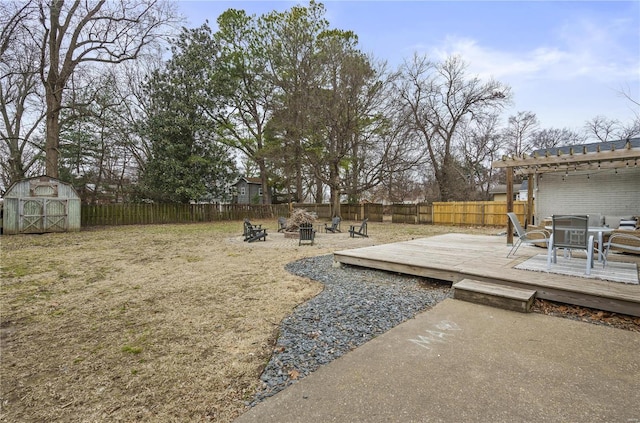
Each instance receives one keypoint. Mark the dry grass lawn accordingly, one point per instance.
(150, 323)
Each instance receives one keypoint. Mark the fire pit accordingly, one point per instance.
(299, 217)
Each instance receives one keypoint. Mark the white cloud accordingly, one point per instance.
(565, 80)
(604, 51)
(566, 74)
(556, 63)
(490, 62)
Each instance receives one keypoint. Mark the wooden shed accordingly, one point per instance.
(41, 204)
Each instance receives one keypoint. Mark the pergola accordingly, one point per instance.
(604, 155)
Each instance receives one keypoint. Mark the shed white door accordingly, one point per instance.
(39, 215)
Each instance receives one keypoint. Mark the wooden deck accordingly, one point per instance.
(453, 257)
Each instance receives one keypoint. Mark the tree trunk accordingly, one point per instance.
(266, 193)
(16, 165)
(53, 86)
(52, 132)
(336, 205)
(443, 184)
(298, 171)
(446, 180)
(319, 191)
(335, 188)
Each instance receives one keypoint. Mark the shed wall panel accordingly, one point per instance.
(10, 217)
(75, 215)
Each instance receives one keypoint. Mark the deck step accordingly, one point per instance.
(501, 296)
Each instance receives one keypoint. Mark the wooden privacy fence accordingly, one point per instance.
(425, 213)
(412, 213)
(404, 213)
(471, 213)
(146, 214)
(374, 212)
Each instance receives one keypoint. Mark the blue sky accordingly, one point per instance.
(565, 61)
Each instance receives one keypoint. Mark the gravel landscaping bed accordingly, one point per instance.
(355, 306)
(358, 304)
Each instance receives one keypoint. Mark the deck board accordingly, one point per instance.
(454, 257)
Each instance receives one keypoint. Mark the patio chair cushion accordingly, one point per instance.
(596, 219)
(627, 224)
(623, 241)
(613, 221)
(538, 233)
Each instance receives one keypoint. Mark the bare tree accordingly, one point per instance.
(626, 93)
(95, 139)
(399, 187)
(519, 132)
(437, 99)
(22, 108)
(554, 137)
(131, 78)
(602, 128)
(12, 18)
(481, 144)
(79, 33)
(631, 129)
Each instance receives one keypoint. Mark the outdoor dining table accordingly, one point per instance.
(599, 230)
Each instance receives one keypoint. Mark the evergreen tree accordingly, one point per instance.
(187, 162)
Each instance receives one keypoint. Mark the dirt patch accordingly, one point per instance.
(151, 323)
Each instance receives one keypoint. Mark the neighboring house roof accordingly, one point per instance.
(255, 181)
(502, 188)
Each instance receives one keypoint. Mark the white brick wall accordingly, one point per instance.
(602, 192)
